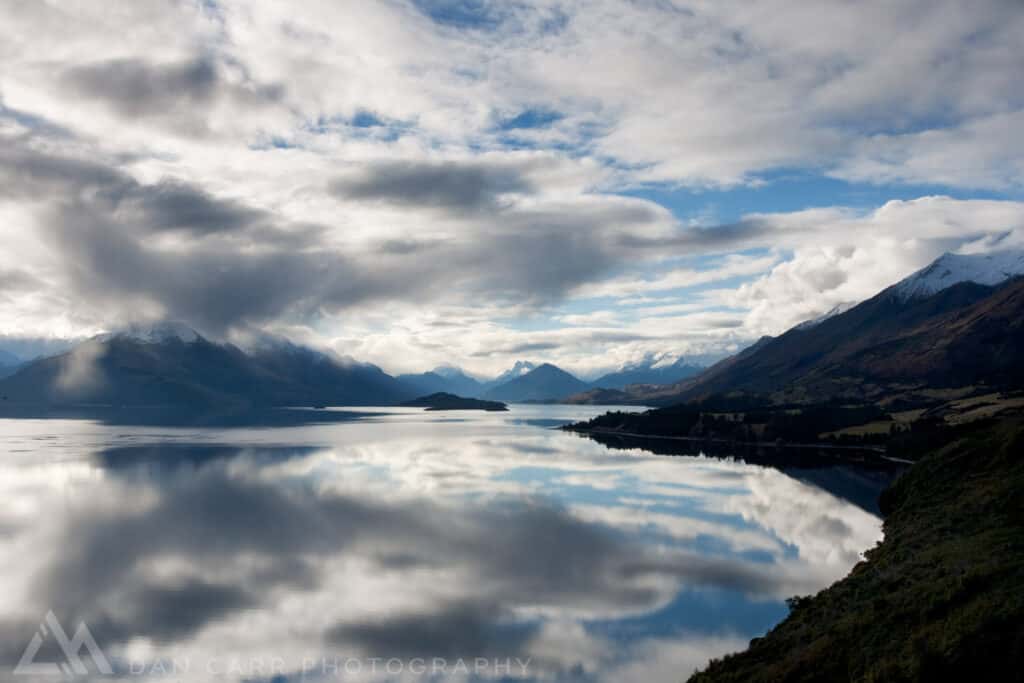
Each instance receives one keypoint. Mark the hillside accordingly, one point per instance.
(941, 598)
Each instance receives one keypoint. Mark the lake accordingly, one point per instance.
(403, 544)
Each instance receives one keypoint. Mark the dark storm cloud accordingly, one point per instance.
(172, 611)
(723, 236)
(28, 173)
(213, 286)
(136, 87)
(230, 264)
(169, 205)
(449, 185)
(165, 205)
(408, 246)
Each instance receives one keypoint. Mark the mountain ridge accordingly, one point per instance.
(121, 369)
(544, 382)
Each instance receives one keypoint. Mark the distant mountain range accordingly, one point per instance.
(171, 364)
(649, 371)
(528, 381)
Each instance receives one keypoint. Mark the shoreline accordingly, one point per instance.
(877, 454)
(941, 597)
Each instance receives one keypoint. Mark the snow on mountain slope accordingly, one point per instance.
(520, 368)
(950, 269)
(831, 313)
(158, 333)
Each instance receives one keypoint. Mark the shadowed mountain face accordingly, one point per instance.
(445, 380)
(964, 334)
(543, 383)
(172, 371)
(9, 363)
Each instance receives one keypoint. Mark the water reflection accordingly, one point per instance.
(407, 535)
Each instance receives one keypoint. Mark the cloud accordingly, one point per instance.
(137, 88)
(230, 264)
(453, 186)
(254, 168)
(178, 95)
(981, 153)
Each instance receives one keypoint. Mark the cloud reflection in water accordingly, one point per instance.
(412, 536)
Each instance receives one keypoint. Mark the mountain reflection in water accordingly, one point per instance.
(406, 535)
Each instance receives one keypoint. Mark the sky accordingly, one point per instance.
(414, 183)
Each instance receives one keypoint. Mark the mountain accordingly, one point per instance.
(543, 383)
(156, 333)
(648, 371)
(950, 269)
(964, 334)
(444, 379)
(520, 368)
(172, 365)
(9, 363)
(306, 376)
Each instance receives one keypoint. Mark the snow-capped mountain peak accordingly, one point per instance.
(520, 368)
(950, 269)
(831, 313)
(158, 332)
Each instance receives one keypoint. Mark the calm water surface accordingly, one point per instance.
(405, 546)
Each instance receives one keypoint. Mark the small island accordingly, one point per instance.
(445, 401)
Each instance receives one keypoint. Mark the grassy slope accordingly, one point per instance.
(942, 598)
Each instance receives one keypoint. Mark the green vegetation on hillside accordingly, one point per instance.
(941, 598)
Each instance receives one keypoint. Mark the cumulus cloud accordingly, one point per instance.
(462, 167)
